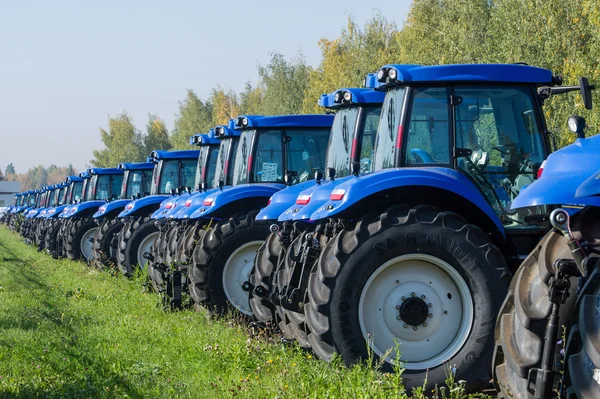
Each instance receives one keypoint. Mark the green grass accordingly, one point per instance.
(70, 331)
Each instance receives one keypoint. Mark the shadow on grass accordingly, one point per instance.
(52, 321)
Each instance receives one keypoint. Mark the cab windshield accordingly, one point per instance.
(207, 163)
(76, 191)
(222, 160)
(176, 173)
(33, 199)
(387, 130)
(136, 182)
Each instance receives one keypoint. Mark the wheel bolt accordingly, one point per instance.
(445, 312)
(415, 328)
(398, 317)
(425, 324)
(430, 315)
(429, 304)
(405, 326)
(422, 296)
(403, 298)
(412, 294)
(398, 307)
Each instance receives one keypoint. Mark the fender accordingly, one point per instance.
(365, 186)
(194, 202)
(177, 206)
(32, 213)
(143, 206)
(318, 197)
(55, 212)
(563, 180)
(41, 214)
(110, 209)
(282, 200)
(214, 202)
(85, 208)
(589, 190)
(163, 208)
(66, 212)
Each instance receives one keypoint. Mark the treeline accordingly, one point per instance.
(554, 34)
(38, 176)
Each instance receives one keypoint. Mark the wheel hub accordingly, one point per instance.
(414, 311)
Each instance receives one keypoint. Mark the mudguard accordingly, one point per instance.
(110, 209)
(195, 201)
(319, 195)
(143, 206)
(177, 206)
(66, 212)
(590, 189)
(163, 208)
(284, 199)
(41, 214)
(564, 172)
(232, 194)
(32, 213)
(85, 208)
(364, 186)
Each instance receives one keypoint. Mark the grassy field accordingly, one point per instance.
(68, 331)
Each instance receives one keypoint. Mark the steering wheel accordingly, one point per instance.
(421, 156)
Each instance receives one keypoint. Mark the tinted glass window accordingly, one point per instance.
(77, 190)
(202, 158)
(91, 184)
(221, 158)
(268, 165)
(387, 129)
(306, 150)
(211, 166)
(169, 176)
(188, 172)
(241, 158)
(370, 117)
(428, 131)
(340, 141)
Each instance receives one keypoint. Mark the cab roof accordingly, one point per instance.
(105, 171)
(204, 139)
(73, 178)
(358, 96)
(162, 154)
(136, 166)
(500, 73)
(258, 121)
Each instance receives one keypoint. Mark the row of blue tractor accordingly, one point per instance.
(388, 228)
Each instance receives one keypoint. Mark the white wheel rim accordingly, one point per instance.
(236, 271)
(449, 304)
(145, 246)
(87, 245)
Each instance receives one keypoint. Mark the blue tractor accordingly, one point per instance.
(26, 202)
(175, 234)
(28, 226)
(274, 279)
(418, 253)
(55, 198)
(174, 171)
(272, 151)
(100, 186)
(137, 181)
(6, 214)
(52, 224)
(547, 331)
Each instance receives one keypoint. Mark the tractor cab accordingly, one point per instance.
(349, 151)
(100, 185)
(205, 172)
(272, 152)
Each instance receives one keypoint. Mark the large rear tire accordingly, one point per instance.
(105, 254)
(222, 262)
(78, 244)
(419, 278)
(136, 239)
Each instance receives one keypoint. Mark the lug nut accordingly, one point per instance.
(425, 324)
(403, 298)
(422, 296)
(412, 294)
(415, 328)
(430, 315)
(429, 304)
(398, 307)
(445, 312)
(398, 317)
(405, 326)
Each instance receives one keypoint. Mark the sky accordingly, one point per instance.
(66, 66)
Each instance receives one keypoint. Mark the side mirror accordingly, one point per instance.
(586, 92)
(331, 173)
(319, 176)
(288, 178)
(173, 191)
(577, 125)
(221, 184)
(189, 189)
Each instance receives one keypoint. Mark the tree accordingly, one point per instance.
(194, 117)
(10, 169)
(283, 85)
(2, 178)
(251, 100)
(122, 141)
(70, 171)
(157, 135)
(347, 60)
(224, 106)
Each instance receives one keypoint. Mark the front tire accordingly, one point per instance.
(223, 260)
(136, 239)
(79, 233)
(422, 277)
(104, 252)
